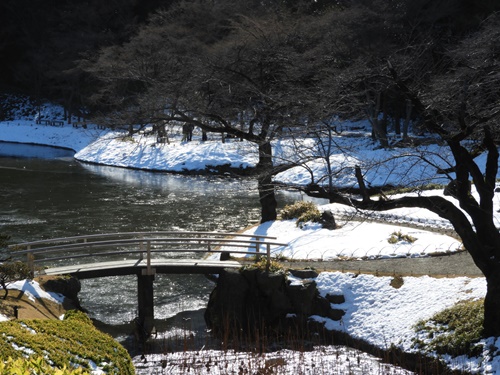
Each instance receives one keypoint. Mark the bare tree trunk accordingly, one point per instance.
(397, 123)
(382, 128)
(491, 326)
(267, 195)
(406, 124)
(373, 108)
(378, 131)
(4, 287)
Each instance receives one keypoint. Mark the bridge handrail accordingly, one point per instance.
(158, 240)
(228, 240)
(123, 252)
(119, 234)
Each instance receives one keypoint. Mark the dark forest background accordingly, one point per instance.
(42, 42)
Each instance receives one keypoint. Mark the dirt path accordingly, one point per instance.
(19, 305)
(456, 264)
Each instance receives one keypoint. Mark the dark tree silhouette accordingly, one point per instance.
(243, 79)
(11, 272)
(460, 105)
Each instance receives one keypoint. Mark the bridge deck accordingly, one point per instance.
(136, 267)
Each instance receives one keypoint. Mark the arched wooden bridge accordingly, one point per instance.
(143, 254)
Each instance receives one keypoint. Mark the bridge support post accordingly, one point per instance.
(145, 303)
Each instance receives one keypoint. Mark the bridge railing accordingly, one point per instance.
(144, 244)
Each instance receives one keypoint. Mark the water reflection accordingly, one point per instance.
(57, 198)
(20, 150)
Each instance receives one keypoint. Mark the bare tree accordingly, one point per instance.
(246, 74)
(11, 272)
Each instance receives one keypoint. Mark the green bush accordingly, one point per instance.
(79, 316)
(35, 366)
(302, 211)
(68, 343)
(455, 330)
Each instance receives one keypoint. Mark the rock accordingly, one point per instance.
(69, 287)
(280, 304)
(322, 307)
(336, 314)
(270, 282)
(244, 300)
(335, 298)
(301, 297)
(327, 220)
(304, 274)
(227, 301)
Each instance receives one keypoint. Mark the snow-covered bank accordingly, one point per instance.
(27, 131)
(358, 240)
(33, 290)
(142, 151)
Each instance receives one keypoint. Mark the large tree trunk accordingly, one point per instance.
(487, 259)
(265, 184)
(267, 199)
(483, 255)
(492, 305)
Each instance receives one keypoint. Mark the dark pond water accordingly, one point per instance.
(47, 194)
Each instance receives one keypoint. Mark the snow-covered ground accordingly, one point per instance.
(353, 239)
(375, 311)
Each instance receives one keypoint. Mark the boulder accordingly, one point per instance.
(336, 299)
(304, 274)
(244, 300)
(327, 220)
(68, 286)
(226, 306)
(301, 296)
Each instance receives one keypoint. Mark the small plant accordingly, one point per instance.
(397, 282)
(128, 138)
(280, 257)
(456, 330)
(261, 264)
(36, 365)
(400, 236)
(11, 272)
(302, 211)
